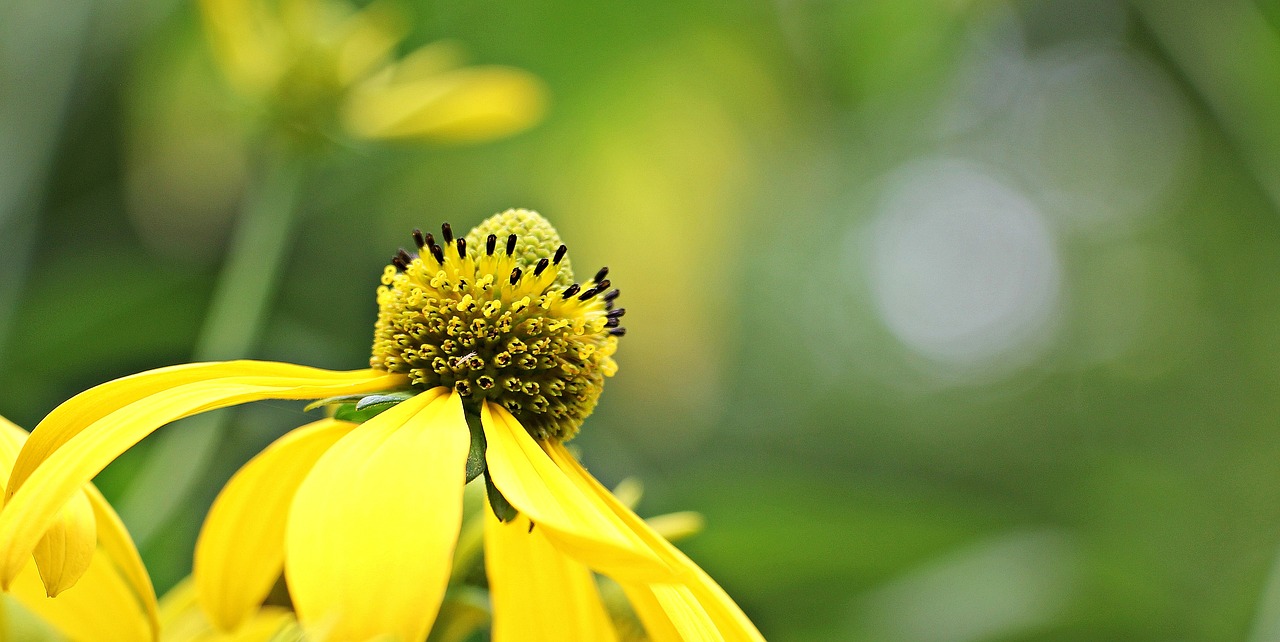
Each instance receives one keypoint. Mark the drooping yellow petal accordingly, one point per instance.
(80, 437)
(115, 544)
(466, 104)
(539, 594)
(578, 521)
(240, 552)
(101, 607)
(63, 553)
(372, 528)
(105, 604)
(711, 601)
(671, 613)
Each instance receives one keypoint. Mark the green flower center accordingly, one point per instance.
(498, 317)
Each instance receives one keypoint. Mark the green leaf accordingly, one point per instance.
(502, 509)
(475, 457)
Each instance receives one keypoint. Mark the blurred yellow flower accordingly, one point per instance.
(86, 559)
(495, 356)
(321, 65)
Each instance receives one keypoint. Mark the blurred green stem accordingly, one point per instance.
(232, 329)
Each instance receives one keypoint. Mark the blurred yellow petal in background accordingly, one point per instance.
(322, 64)
(466, 104)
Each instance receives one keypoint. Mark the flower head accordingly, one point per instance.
(363, 516)
(497, 317)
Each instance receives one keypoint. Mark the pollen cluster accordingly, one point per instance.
(497, 316)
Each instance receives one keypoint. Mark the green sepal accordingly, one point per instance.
(361, 399)
(360, 408)
(348, 412)
(387, 399)
(475, 456)
(502, 509)
(334, 401)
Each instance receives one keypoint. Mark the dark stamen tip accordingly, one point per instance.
(560, 252)
(418, 239)
(462, 247)
(613, 322)
(571, 290)
(618, 332)
(511, 245)
(515, 276)
(541, 267)
(612, 295)
(438, 254)
(447, 232)
(597, 289)
(490, 243)
(604, 271)
(613, 314)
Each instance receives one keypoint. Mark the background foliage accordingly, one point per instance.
(958, 320)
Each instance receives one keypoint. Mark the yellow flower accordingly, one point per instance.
(494, 356)
(84, 544)
(319, 65)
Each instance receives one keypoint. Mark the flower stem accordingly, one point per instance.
(232, 329)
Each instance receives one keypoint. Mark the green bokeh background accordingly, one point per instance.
(959, 320)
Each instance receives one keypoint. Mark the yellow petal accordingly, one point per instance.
(80, 437)
(671, 612)
(185, 622)
(266, 625)
(63, 553)
(180, 615)
(115, 544)
(101, 607)
(114, 599)
(467, 104)
(539, 594)
(372, 528)
(578, 521)
(711, 600)
(240, 552)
